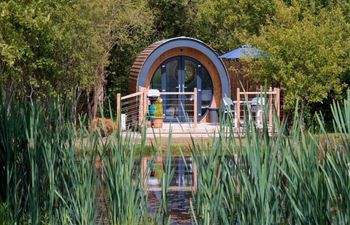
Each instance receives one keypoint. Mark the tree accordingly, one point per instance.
(63, 47)
(28, 47)
(308, 50)
(173, 18)
(137, 34)
(114, 24)
(225, 24)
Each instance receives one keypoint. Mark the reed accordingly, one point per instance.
(49, 168)
(300, 178)
(49, 175)
(124, 182)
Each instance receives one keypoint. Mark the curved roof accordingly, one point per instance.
(140, 60)
(147, 57)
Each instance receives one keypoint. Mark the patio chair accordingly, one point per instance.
(229, 108)
(257, 107)
(229, 105)
(258, 101)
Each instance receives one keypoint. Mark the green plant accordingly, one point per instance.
(50, 175)
(159, 108)
(5, 214)
(302, 178)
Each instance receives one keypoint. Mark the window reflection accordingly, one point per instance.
(157, 80)
(189, 69)
(207, 90)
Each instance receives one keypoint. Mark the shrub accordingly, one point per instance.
(159, 108)
(104, 126)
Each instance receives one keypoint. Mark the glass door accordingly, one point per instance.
(171, 83)
(183, 74)
(188, 82)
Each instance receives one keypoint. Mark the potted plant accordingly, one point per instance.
(151, 111)
(158, 117)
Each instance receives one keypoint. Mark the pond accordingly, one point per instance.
(180, 188)
(178, 205)
(179, 195)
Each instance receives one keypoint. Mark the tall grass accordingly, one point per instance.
(300, 178)
(48, 172)
(124, 182)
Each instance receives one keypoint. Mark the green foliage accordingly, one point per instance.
(5, 214)
(296, 179)
(51, 171)
(36, 47)
(73, 47)
(126, 197)
(50, 48)
(173, 18)
(307, 52)
(225, 24)
(134, 30)
(159, 108)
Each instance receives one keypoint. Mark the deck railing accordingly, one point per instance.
(132, 109)
(180, 106)
(252, 105)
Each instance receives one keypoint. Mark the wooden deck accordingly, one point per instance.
(181, 133)
(184, 133)
(184, 128)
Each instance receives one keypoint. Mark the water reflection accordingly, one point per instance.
(182, 184)
(180, 189)
(185, 174)
(178, 204)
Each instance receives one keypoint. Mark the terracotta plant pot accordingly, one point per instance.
(157, 122)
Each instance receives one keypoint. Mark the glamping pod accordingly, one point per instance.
(180, 65)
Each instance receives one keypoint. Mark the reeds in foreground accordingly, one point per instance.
(300, 178)
(49, 175)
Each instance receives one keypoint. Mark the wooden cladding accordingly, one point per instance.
(137, 66)
(239, 78)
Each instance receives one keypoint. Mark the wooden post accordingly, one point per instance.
(195, 176)
(195, 113)
(140, 108)
(145, 103)
(144, 174)
(238, 109)
(270, 107)
(278, 102)
(118, 110)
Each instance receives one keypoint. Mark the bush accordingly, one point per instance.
(104, 126)
(159, 108)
